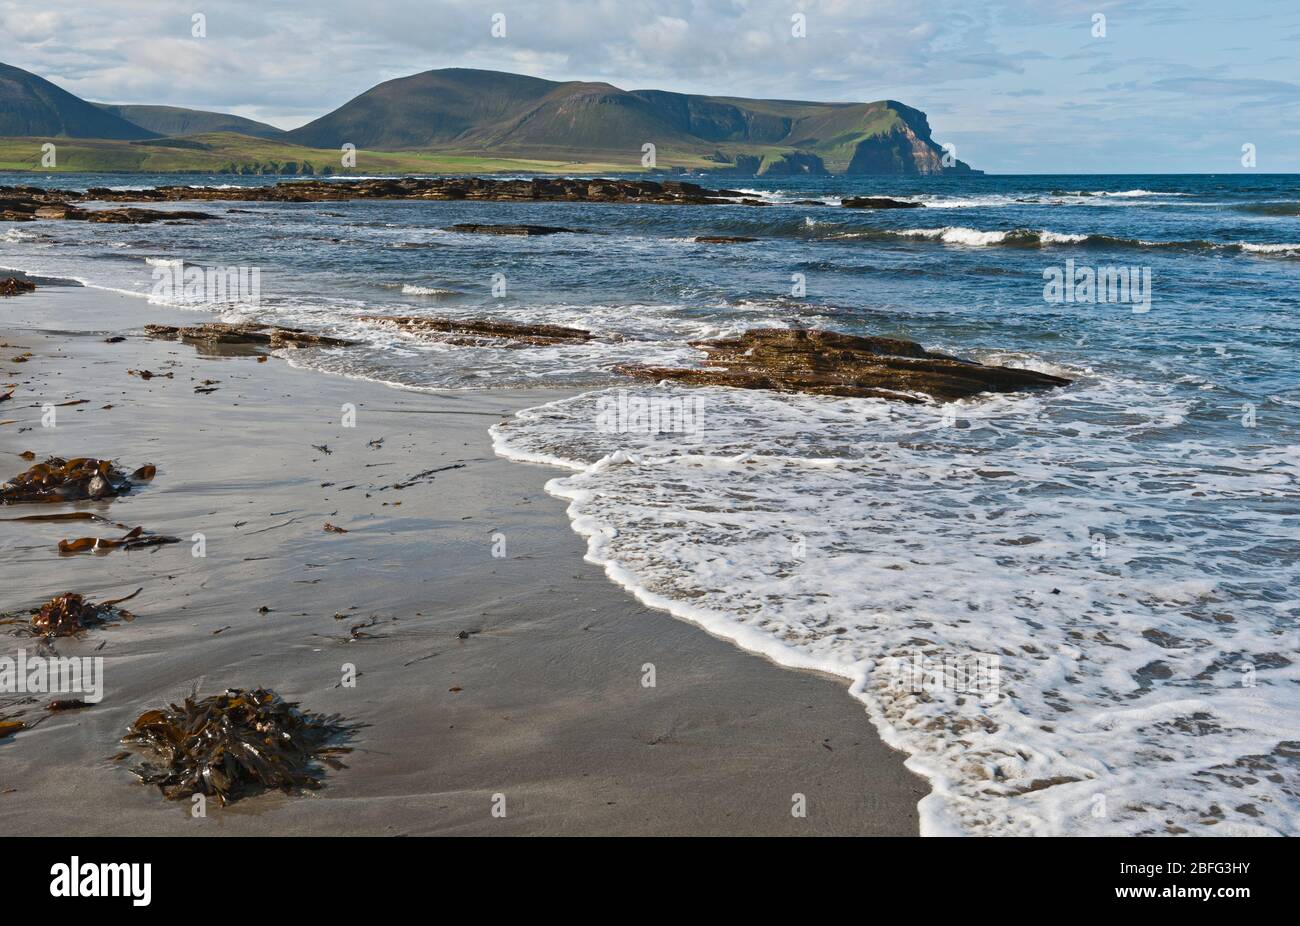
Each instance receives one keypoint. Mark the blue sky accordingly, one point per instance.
(1019, 86)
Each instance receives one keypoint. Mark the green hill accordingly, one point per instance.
(31, 105)
(472, 111)
(178, 121)
(478, 121)
(226, 153)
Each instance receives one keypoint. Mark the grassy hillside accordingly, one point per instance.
(466, 110)
(465, 120)
(241, 154)
(173, 121)
(423, 110)
(31, 105)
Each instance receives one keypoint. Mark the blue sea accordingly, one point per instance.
(1076, 611)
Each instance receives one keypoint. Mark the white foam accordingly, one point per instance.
(957, 234)
(838, 534)
(410, 289)
(1270, 248)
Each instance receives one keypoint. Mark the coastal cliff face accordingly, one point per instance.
(907, 148)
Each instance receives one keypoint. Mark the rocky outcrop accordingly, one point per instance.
(27, 204)
(829, 363)
(536, 189)
(878, 202)
(906, 148)
(248, 333)
(479, 332)
(12, 286)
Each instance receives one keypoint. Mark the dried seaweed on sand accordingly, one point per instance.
(234, 744)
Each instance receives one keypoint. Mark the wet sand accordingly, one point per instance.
(477, 675)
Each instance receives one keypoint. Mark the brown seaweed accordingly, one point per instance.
(70, 614)
(60, 480)
(66, 704)
(134, 539)
(235, 744)
(10, 727)
(12, 286)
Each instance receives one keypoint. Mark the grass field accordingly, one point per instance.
(243, 154)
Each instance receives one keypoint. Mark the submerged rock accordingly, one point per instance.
(471, 229)
(26, 204)
(723, 239)
(477, 332)
(879, 202)
(132, 216)
(829, 363)
(12, 286)
(235, 744)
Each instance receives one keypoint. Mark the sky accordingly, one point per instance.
(1018, 86)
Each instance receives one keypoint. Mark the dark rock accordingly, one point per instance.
(722, 239)
(470, 229)
(133, 216)
(476, 332)
(829, 363)
(246, 333)
(878, 202)
(20, 203)
(24, 204)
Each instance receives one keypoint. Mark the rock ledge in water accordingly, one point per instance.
(829, 363)
(479, 332)
(879, 202)
(223, 333)
(524, 230)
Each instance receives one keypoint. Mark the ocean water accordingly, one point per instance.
(1076, 611)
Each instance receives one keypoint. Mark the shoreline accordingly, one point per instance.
(541, 699)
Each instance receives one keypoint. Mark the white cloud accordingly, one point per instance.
(298, 59)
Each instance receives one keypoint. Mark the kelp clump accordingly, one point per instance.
(70, 613)
(12, 286)
(235, 744)
(60, 480)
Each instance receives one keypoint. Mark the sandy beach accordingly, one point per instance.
(476, 675)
